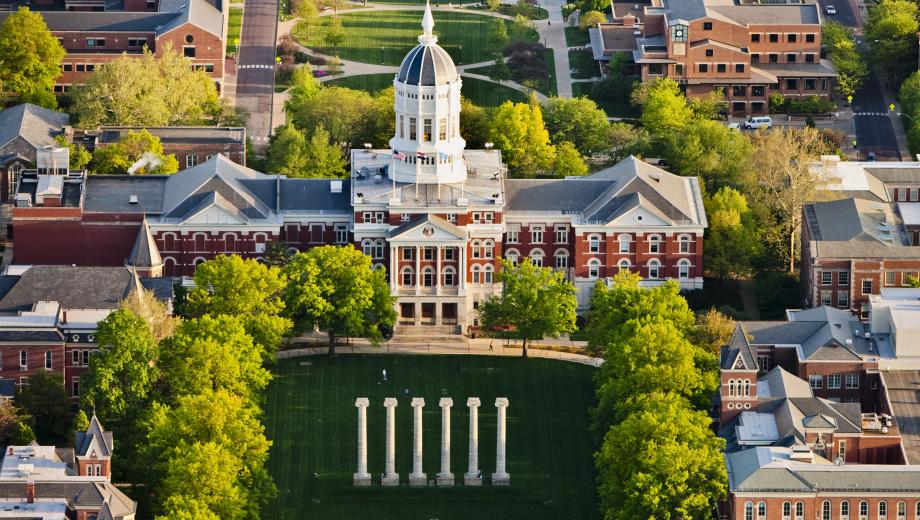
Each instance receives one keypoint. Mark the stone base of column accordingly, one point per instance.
(445, 479)
(472, 479)
(362, 479)
(501, 479)
(390, 480)
(418, 479)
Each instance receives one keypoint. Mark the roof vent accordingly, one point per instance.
(132, 199)
(335, 186)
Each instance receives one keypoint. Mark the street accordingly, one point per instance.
(256, 66)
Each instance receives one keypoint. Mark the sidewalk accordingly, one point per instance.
(552, 33)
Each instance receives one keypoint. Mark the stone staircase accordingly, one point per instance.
(428, 334)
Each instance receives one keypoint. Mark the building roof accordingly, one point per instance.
(427, 64)
(768, 14)
(34, 124)
(74, 287)
(177, 134)
(144, 254)
(113, 194)
(103, 21)
(200, 13)
(856, 228)
(819, 69)
(902, 387)
(95, 437)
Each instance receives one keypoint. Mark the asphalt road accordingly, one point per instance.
(256, 67)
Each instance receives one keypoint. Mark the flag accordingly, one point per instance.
(443, 156)
(399, 155)
(420, 155)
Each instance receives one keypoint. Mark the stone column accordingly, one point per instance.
(394, 267)
(417, 477)
(462, 268)
(445, 477)
(362, 477)
(437, 274)
(473, 476)
(500, 477)
(390, 477)
(418, 270)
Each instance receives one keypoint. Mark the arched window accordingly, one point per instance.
(513, 256)
(902, 510)
(379, 247)
(623, 265)
(450, 276)
(169, 242)
(799, 510)
(845, 510)
(749, 511)
(476, 245)
(594, 244)
(917, 511)
(562, 259)
(826, 510)
(199, 241)
(683, 269)
(654, 244)
(428, 277)
(864, 510)
(488, 248)
(477, 273)
(883, 510)
(199, 260)
(230, 242)
(406, 275)
(594, 268)
(787, 510)
(654, 268)
(747, 388)
(378, 266)
(169, 266)
(367, 247)
(624, 240)
(761, 510)
(536, 257)
(731, 388)
(487, 273)
(684, 243)
(260, 238)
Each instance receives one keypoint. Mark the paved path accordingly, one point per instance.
(552, 33)
(256, 67)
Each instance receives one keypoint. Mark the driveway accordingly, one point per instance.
(256, 67)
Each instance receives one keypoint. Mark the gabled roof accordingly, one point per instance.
(737, 355)
(74, 287)
(93, 437)
(435, 224)
(200, 13)
(145, 252)
(820, 421)
(217, 175)
(779, 383)
(822, 333)
(34, 124)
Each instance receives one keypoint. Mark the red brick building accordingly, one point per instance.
(190, 144)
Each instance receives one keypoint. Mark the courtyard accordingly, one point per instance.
(311, 418)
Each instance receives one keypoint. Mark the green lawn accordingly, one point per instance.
(384, 37)
(534, 12)
(583, 65)
(367, 82)
(488, 93)
(613, 107)
(311, 418)
(575, 36)
(234, 27)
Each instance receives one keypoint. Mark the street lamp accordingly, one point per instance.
(489, 145)
(461, 55)
(381, 54)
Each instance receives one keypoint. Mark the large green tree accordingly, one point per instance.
(352, 117)
(891, 32)
(841, 45)
(535, 302)
(120, 156)
(336, 289)
(732, 241)
(568, 162)
(45, 399)
(200, 481)
(30, 58)
(663, 462)
(79, 156)
(292, 154)
(517, 130)
(665, 111)
(710, 150)
(246, 289)
(577, 120)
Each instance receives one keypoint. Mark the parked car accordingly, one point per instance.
(758, 122)
(830, 10)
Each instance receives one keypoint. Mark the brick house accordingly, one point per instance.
(748, 50)
(190, 144)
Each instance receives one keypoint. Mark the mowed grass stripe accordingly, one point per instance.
(311, 417)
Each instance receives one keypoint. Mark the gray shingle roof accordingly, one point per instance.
(768, 14)
(38, 336)
(200, 13)
(73, 287)
(95, 432)
(103, 21)
(145, 252)
(112, 193)
(34, 124)
(313, 195)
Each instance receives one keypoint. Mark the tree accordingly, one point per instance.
(522, 29)
(851, 68)
(80, 424)
(203, 474)
(30, 58)
(325, 159)
(303, 87)
(500, 71)
(710, 150)
(732, 239)
(535, 302)
(308, 17)
(121, 374)
(46, 400)
(517, 130)
(145, 304)
(352, 117)
(119, 157)
(624, 139)
(662, 461)
(579, 121)
(713, 330)
(909, 94)
(891, 33)
(147, 90)
(79, 156)
(335, 32)
(665, 112)
(493, 5)
(568, 162)
(591, 19)
(474, 124)
(244, 288)
(22, 435)
(498, 31)
(287, 152)
(782, 160)
(10, 419)
(336, 289)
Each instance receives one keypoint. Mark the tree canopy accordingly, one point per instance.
(732, 239)
(291, 153)
(46, 400)
(517, 130)
(30, 58)
(891, 33)
(579, 121)
(117, 158)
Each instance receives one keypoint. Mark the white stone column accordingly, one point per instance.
(462, 268)
(362, 477)
(390, 477)
(473, 477)
(500, 477)
(394, 266)
(437, 279)
(417, 477)
(445, 477)
(418, 270)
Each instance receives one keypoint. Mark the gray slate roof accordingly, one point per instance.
(112, 193)
(95, 431)
(145, 252)
(103, 21)
(855, 228)
(34, 124)
(73, 287)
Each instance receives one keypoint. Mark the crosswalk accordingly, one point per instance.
(256, 66)
(871, 114)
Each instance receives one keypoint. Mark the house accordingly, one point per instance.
(25, 129)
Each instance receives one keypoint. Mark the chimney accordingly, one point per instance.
(30, 491)
(64, 318)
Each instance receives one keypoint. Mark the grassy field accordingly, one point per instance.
(576, 36)
(367, 82)
(614, 108)
(234, 27)
(490, 94)
(583, 65)
(311, 418)
(384, 37)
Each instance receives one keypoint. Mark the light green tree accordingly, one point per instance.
(493, 5)
(663, 461)
(535, 302)
(22, 434)
(158, 316)
(79, 156)
(498, 33)
(909, 94)
(517, 130)
(474, 124)
(46, 400)
(307, 17)
(287, 152)
(120, 156)
(710, 150)
(335, 32)
(891, 34)
(246, 289)
(325, 160)
(713, 331)
(30, 58)
(579, 121)
(203, 475)
(337, 290)
(624, 139)
(303, 87)
(352, 117)
(568, 162)
(80, 424)
(665, 112)
(731, 241)
(851, 67)
(522, 29)
(590, 19)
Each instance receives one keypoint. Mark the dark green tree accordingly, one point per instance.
(46, 400)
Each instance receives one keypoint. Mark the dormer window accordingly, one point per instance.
(679, 33)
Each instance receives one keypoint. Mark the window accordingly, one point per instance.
(23, 359)
(536, 258)
(188, 51)
(655, 69)
(833, 381)
(864, 510)
(562, 235)
(404, 217)
(513, 256)
(809, 58)
(68, 67)
(720, 67)
(852, 381)
(95, 42)
(703, 67)
(594, 244)
(867, 286)
(654, 244)
(791, 38)
(811, 84)
(426, 133)
(49, 358)
(442, 129)
(654, 269)
(378, 251)
(791, 57)
(739, 67)
(407, 253)
(488, 249)
(679, 69)
(842, 453)
(774, 38)
(406, 276)
(428, 253)
(81, 67)
(748, 511)
(826, 510)
(562, 259)
(191, 160)
(792, 84)
(75, 387)
(826, 297)
(761, 510)
(845, 510)
(843, 278)
(449, 253)
(624, 243)
(883, 510)
(594, 268)
(843, 299)
(709, 52)
(809, 38)
(683, 269)
(402, 126)
(816, 381)
(623, 265)
(731, 388)
(826, 277)
(889, 278)
(487, 273)
(450, 276)
(917, 512)
(536, 234)
(428, 277)
(707, 26)
(413, 133)
(341, 233)
(913, 194)
(452, 217)
(799, 510)
(773, 58)
(902, 510)
(511, 237)
(488, 217)
(787, 510)
(755, 58)
(367, 247)
(755, 38)
(763, 363)
(476, 246)
(684, 243)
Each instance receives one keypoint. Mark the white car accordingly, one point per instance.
(830, 10)
(758, 122)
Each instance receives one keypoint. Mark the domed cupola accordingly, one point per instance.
(427, 147)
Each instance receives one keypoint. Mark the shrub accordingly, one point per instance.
(527, 61)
